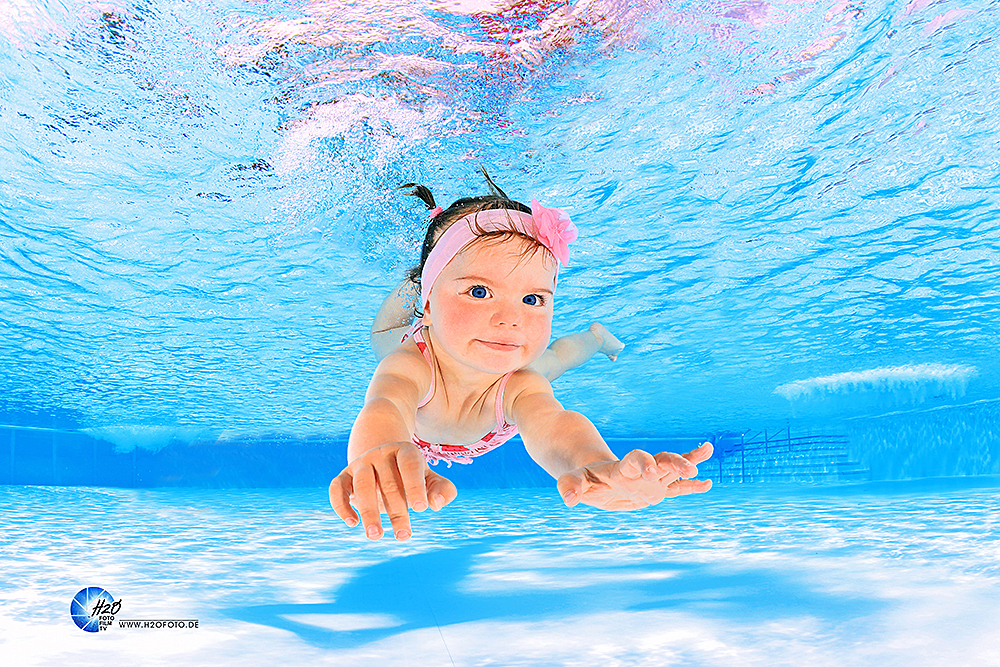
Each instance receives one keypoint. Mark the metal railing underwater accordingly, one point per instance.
(761, 457)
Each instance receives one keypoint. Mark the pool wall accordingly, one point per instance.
(943, 442)
(953, 441)
(52, 457)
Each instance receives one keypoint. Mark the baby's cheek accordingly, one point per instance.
(543, 334)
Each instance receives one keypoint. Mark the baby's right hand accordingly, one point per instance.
(395, 474)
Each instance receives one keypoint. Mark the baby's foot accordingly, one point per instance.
(610, 345)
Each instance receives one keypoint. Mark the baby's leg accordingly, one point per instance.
(393, 318)
(575, 349)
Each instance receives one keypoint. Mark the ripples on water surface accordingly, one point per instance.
(743, 576)
(197, 220)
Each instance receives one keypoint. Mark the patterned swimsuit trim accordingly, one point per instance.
(460, 453)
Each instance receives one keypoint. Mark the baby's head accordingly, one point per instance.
(470, 222)
(487, 277)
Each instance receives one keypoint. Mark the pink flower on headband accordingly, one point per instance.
(435, 212)
(555, 230)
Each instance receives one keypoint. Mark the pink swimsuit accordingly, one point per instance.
(460, 453)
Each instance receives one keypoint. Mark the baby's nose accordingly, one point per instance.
(505, 315)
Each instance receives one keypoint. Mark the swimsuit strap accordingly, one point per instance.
(501, 422)
(417, 332)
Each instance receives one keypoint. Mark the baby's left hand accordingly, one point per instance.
(638, 480)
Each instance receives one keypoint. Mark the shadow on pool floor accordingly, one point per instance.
(426, 590)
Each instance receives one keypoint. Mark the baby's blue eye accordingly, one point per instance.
(531, 300)
(478, 292)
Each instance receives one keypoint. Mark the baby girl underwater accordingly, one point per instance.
(476, 360)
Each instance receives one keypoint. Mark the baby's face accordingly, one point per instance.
(491, 307)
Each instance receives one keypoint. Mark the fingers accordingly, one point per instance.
(440, 491)
(571, 486)
(411, 466)
(390, 483)
(638, 463)
(684, 465)
(393, 479)
(669, 463)
(581, 484)
(402, 487)
(366, 501)
(700, 454)
(340, 498)
(683, 487)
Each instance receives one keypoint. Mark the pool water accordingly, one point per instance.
(905, 574)
(788, 212)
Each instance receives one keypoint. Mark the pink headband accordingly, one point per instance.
(549, 226)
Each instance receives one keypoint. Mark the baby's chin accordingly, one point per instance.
(501, 363)
(499, 367)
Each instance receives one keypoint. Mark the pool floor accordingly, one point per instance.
(903, 574)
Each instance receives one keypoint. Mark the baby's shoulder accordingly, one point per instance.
(525, 382)
(406, 361)
(527, 389)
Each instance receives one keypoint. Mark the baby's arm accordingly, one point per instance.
(567, 445)
(393, 318)
(384, 464)
(576, 349)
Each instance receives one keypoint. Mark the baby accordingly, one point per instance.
(476, 361)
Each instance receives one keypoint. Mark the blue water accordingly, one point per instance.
(199, 222)
(788, 212)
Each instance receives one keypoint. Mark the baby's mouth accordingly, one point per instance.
(501, 347)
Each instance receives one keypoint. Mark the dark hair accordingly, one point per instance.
(497, 199)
